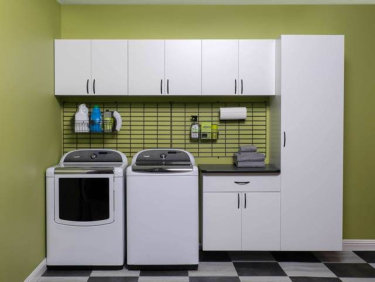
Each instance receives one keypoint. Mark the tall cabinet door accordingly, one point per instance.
(221, 221)
(72, 67)
(146, 67)
(312, 86)
(261, 221)
(257, 67)
(183, 67)
(109, 67)
(220, 67)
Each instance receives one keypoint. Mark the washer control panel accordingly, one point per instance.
(93, 155)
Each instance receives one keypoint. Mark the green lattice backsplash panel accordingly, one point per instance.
(167, 125)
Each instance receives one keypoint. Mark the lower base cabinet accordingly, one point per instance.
(241, 221)
(221, 221)
(261, 221)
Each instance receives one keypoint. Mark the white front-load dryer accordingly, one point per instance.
(85, 210)
(162, 210)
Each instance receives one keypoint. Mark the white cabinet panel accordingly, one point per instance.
(261, 221)
(220, 67)
(312, 155)
(221, 221)
(109, 67)
(241, 183)
(257, 67)
(146, 67)
(183, 67)
(72, 67)
(159, 224)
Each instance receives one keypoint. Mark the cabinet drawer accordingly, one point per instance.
(241, 183)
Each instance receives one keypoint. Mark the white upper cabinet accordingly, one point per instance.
(257, 67)
(146, 67)
(90, 67)
(238, 67)
(109, 67)
(220, 67)
(165, 67)
(183, 67)
(72, 67)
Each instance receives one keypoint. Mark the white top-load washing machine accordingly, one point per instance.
(85, 210)
(162, 210)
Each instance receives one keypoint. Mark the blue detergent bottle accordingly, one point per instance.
(96, 120)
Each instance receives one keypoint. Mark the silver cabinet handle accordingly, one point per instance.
(167, 86)
(114, 201)
(161, 86)
(238, 200)
(242, 182)
(93, 85)
(241, 86)
(245, 200)
(235, 86)
(284, 139)
(87, 86)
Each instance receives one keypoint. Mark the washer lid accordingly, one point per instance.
(84, 170)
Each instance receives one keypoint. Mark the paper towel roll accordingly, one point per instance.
(233, 113)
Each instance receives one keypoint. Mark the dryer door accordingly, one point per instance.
(84, 200)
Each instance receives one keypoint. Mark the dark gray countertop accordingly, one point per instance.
(225, 168)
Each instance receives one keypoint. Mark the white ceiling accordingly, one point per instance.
(215, 2)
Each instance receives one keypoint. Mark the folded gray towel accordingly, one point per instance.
(248, 148)
(250, 164)
(248, 156)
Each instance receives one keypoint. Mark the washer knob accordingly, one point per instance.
(163, 156)
(93, 156)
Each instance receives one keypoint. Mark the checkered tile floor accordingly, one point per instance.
(245, 267)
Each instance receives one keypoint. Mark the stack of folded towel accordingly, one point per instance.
(247, 156)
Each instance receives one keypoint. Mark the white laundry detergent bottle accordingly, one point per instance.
(81, 123)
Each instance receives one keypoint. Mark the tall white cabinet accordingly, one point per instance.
(312, 97)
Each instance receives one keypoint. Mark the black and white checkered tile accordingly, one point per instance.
(245, 267)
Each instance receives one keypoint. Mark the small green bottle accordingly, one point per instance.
(108, 121)
(195, 128)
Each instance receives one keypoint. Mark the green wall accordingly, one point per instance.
(357, 23)
(30, 130)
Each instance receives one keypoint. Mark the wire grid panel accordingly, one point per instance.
(167, 125)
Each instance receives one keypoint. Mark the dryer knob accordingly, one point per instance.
(93, 156)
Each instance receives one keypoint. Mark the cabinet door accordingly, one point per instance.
(72, 67)
(146, 67)
(257, 67)
(261, 221)
(221, 221)
(183, 67)
(312, 93)
(109, 67)
(220, 67)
